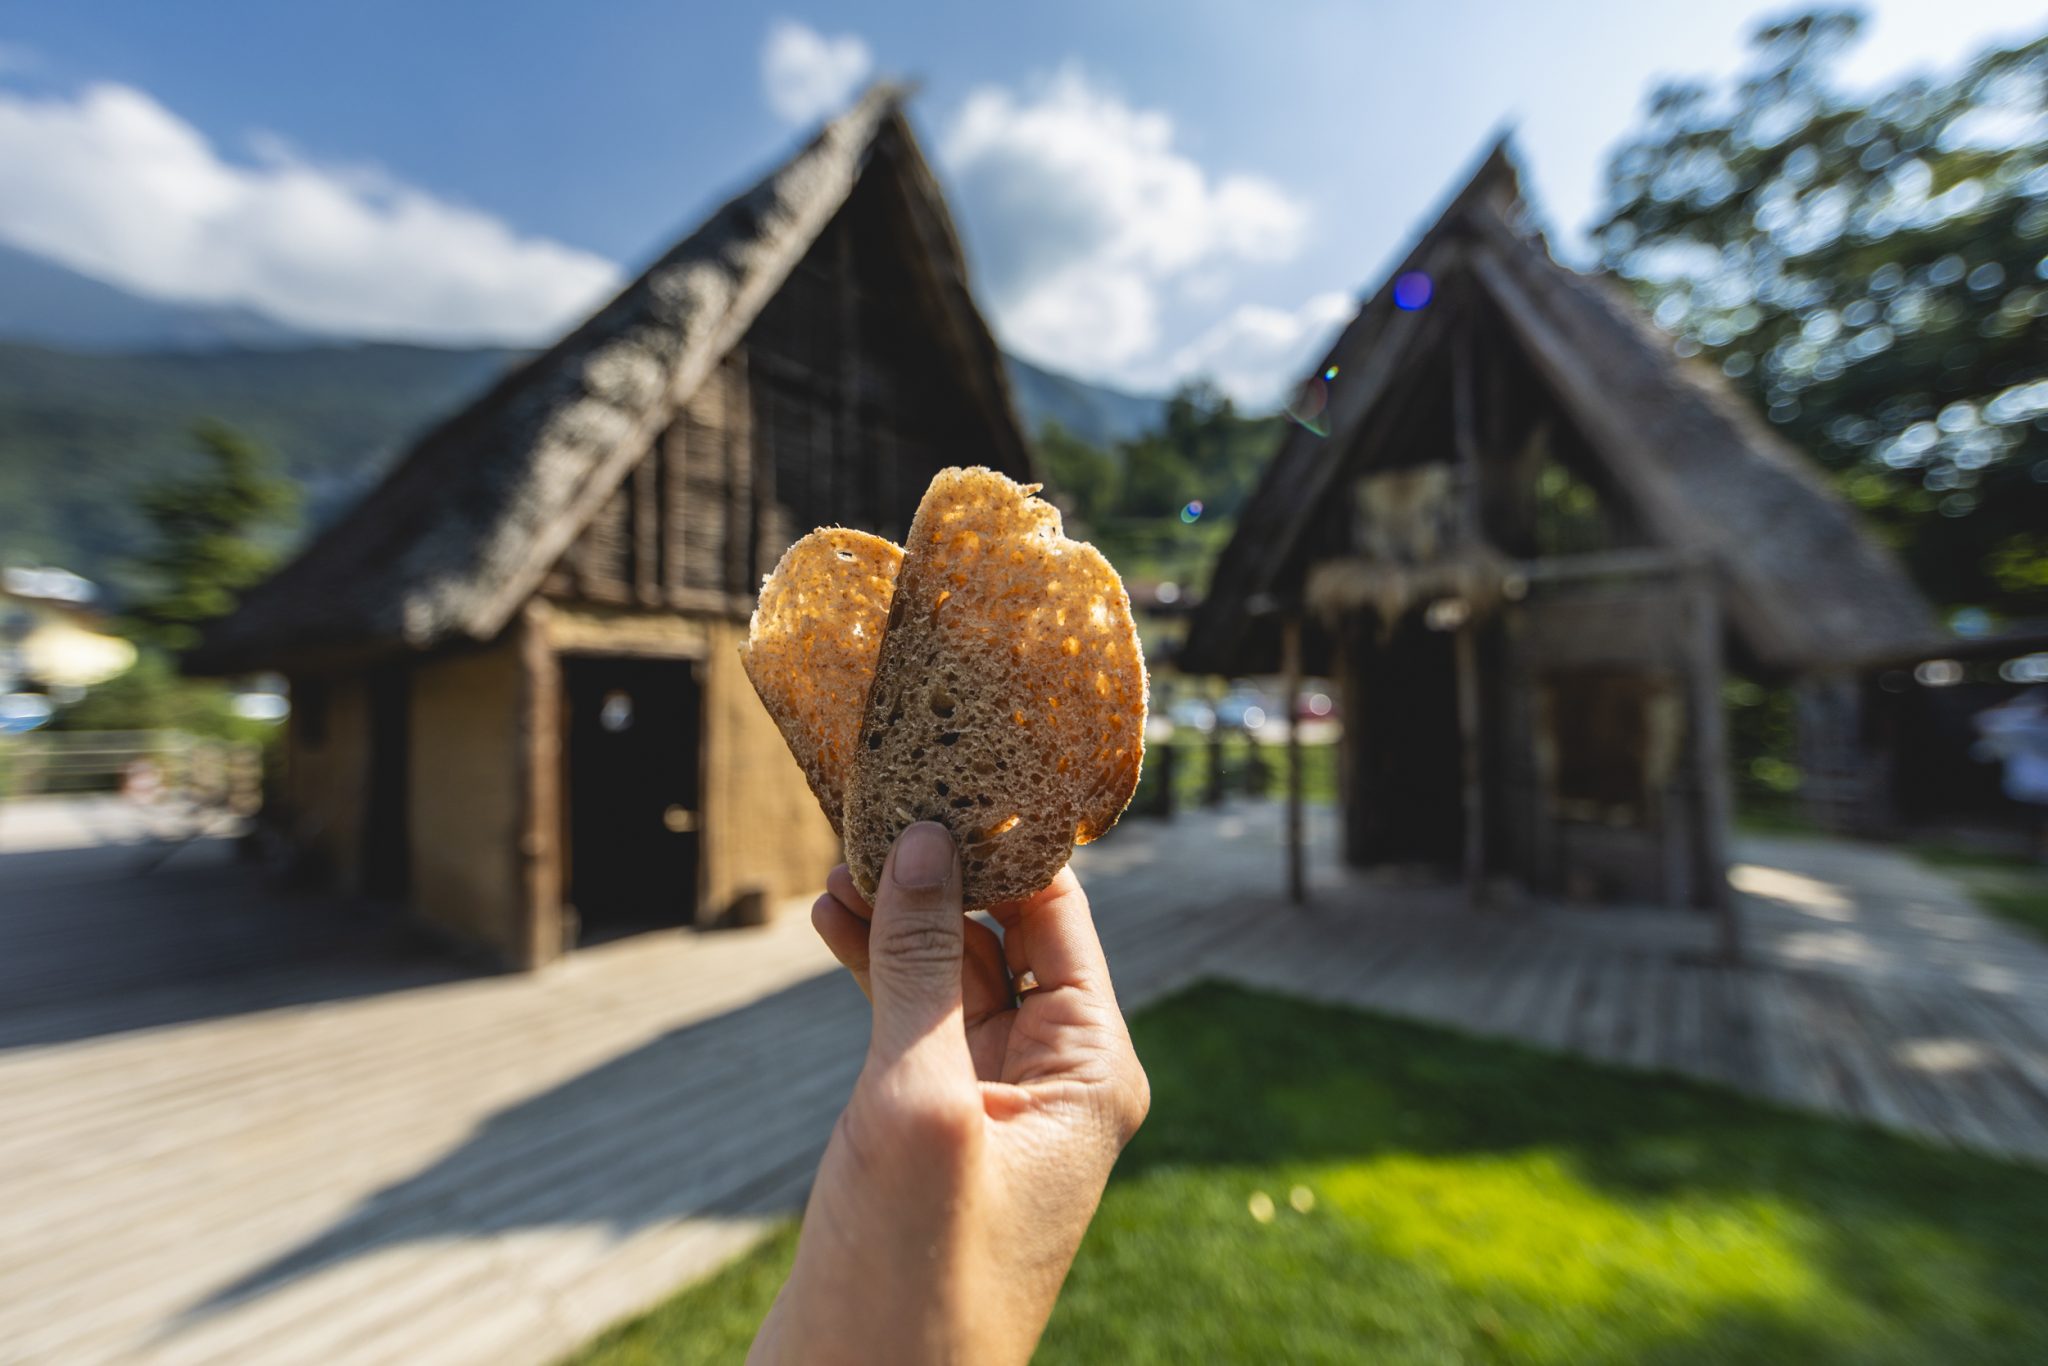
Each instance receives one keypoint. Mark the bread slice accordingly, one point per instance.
(812, 647)
(1009, 697)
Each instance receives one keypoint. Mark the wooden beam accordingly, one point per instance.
(541, 844)
(1710, 762)
(644, 503)
(1297, 881)
(1465, 431)
(1465, 645)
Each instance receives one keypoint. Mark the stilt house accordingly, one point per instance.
(1528, 539)
(517, 700)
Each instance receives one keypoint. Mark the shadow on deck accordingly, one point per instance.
(133, 934)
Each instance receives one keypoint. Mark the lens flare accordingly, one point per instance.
(1192, 513)
(1330, 373)
(1413, 290)
(1309, 404)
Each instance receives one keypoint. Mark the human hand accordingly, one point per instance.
(965, 1168)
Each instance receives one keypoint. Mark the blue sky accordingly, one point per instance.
(1147, 190)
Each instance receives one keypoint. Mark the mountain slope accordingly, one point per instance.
(79, 434)
(1097, 414)
(49, 304)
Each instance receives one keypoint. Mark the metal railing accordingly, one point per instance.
(163, 769)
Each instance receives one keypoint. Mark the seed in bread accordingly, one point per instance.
(812, 646)
(1008, 700)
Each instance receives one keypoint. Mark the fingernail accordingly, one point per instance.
(924, 856)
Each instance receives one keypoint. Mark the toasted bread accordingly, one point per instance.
(812, 647)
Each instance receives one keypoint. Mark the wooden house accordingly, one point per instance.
(517, 700)
(1528, 538)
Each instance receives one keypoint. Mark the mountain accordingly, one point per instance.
(100, 388)
(1099, 415)
(41, 301)
(80, 433)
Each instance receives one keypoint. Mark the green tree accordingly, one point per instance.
(1872, 270)
(1085, 474)
(1205, 449)
(153, 696)
(215, 535)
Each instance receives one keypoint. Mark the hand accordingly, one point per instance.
(965, 1168)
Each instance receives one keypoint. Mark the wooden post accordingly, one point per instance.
(1258, 771)
(643, 505)
(1465, 645)
(1168, 762)
(1465, 436)
(1710, 759)
(1297, 881)
(543, 846)
(1213, 796)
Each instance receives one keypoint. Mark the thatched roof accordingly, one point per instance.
(1804, 585)
(462, 530)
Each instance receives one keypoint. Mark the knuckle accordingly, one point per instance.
(936, 1128)
(1134, 1101)
(917, 942)
(1141, 1101)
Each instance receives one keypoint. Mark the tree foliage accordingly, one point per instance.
(1139, 500)
(211, 536)
(1084, 474)
(1874, 270)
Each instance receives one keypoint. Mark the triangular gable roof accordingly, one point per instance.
(1806, 587)
(462, 530)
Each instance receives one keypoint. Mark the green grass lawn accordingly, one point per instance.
(1243, 775)
(1319, 1185)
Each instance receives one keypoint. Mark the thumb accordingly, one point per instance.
(916, 941)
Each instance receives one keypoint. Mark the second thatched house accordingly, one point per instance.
(1529, 539)
(517, 702)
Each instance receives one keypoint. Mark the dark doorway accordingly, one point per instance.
(1406, 797)
(631, 740)
(387, 826)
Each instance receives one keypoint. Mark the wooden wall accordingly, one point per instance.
(836, 409)
(467, 798)
(762, 828)
(1648, 647)
(327, 775)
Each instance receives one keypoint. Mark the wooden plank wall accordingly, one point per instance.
(836, 409)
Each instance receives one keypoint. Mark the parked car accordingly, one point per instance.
(1244, 708)
(1192, 713)
(1314, 706)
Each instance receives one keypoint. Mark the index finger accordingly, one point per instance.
(1053, 934)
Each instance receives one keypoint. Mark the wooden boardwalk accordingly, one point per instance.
(310, 1142)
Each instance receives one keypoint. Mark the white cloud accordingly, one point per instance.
(806, 75)
(1257, 353)
(115, 185)
(1084, 212)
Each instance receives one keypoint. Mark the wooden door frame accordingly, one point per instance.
(547, 847)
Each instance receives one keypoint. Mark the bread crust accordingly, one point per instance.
(812, 647)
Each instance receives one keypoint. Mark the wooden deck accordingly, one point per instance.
(313, 1142)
